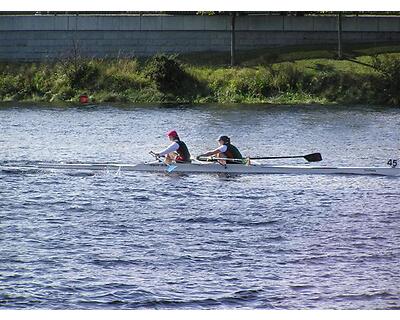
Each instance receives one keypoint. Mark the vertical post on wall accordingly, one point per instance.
(233, 15)
(339, 25)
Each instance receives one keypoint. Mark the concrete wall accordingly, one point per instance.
(41, 37)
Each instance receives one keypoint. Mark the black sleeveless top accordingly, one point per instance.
(233, 153)
(183, 151)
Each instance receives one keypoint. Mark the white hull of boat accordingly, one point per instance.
(217, 168)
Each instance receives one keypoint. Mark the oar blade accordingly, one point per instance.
(313, 157)
(171, 168)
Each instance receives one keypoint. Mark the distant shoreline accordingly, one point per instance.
(275, 78)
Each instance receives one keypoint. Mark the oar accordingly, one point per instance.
(170, 167)
(215, 159)
(313, 157)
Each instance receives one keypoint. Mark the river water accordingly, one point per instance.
(126, 240)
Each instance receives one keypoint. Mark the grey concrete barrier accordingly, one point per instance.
(49, 37)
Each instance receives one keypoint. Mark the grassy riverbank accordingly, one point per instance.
(277, 76)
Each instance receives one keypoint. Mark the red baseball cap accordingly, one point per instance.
(172, 133)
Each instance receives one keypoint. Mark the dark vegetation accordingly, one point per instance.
(291, 75)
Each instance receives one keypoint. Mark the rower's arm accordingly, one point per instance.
(211, 153)
(171, 148)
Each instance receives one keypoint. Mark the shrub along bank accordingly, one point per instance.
(160, 79)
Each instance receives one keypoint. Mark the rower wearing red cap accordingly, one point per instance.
(177, 151)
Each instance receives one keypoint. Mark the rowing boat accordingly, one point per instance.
(208, 167)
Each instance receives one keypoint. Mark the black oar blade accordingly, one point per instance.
(314, 157)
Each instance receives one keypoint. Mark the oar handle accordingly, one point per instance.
(155, 155)
(202, 158)
(215, 159)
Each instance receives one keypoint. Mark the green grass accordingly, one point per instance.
(291, 75)
(287, 54)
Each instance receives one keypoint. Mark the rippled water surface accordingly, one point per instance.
(126, 240)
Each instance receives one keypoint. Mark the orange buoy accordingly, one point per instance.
(83, 98)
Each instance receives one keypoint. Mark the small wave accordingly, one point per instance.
(364, 296)
(207, 220)
(256, 223)
(317, 260)
(19, 171)
(21, 302)
(276, 238)
(225, 257)
(140, 198)
(111, 263)
(301, 287)
(200, 220)
(248, 197)
(237, 299)
(80, 174)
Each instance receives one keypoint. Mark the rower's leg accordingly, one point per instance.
(221, 155)
(168, 159)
